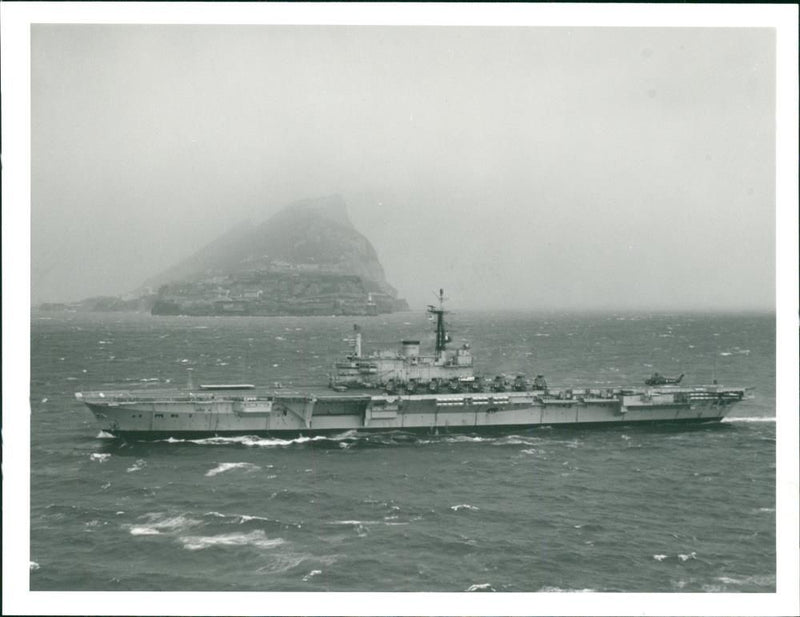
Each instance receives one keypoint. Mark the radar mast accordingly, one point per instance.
(441, 334)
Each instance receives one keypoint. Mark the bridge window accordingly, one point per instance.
(159, 415)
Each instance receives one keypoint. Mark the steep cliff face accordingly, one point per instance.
(306, 259)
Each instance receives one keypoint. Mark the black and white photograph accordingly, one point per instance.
(355, 301)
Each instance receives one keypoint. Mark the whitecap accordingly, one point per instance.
(726, 580)
(464, 439)
(244, 518)
(351, 434)
(156, 523)
(685, 557)
(311, 574)
(223, 467)
(104, 435)
(34, 566)
(144, 531)
(250, 441)
(554, 589)
(255, 538)
(100, 457)
(659, 557)
(481, 587)
(463, 506)
(512, 440)
(137, 465)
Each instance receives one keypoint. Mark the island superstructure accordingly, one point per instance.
(402, 390)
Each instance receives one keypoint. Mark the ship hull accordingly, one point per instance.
(485, 430)
(296, 414)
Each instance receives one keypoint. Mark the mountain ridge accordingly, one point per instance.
(307, 258)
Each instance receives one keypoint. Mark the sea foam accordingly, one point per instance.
(223, 467)
(255, 538)
(481, 587)
(157, 522)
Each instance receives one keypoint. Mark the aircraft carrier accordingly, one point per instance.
(403, 390)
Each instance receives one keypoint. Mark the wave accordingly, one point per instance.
(223, 467)
(156, 523)
(463, 506)
(138, 465)
(279, 562)
(680, 557)
(760, 580)
(34, 566)
(100, 457)
(553, 589)
(243, 519)
(144, 531)
(257, 539)
(251, 441)
(311, 574)
(481, 587)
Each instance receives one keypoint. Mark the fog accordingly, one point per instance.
(522, 168)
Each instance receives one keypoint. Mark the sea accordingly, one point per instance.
(617, 509)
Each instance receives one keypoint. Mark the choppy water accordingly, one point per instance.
(618, 509)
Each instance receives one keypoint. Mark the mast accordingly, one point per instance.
(356, 341)
(441, 334)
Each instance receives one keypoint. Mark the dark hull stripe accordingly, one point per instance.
(442, 430)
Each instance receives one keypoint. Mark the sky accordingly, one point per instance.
(516, 167)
